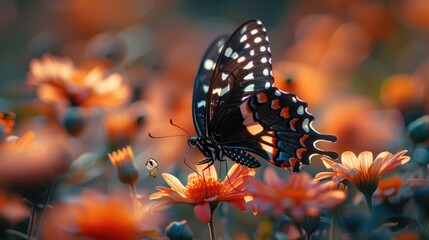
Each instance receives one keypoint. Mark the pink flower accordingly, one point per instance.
(298, 196)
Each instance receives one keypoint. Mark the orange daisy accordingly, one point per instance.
(93, 215)
(363, 171)
(60, 82)
(205, 190)
(29, 162)
(299, 196)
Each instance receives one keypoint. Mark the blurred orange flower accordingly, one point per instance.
(60, 82)
(360, 125)
(12, 209)
(121, 127)
(205, 190)
(402, 91)
(7, 121)
(298, 197)
(363, 171)
(391, 190)
(27, 164)
(93, 215)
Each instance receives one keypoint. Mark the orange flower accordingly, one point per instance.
(27, 164)
(121, 127)
(7, 121)
(60, 82)
(92, 215)
(362, 171)
(123, 160)
(359, 124)
(205, 190)
(12, 209)
(402, 91)
(300, 196)
(391, 190)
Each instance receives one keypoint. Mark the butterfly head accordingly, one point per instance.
(192, 141)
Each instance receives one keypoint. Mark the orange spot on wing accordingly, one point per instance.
(300, 151)
(292, 124)
(303, 139)
(275, 104)
(255, 129)
(285, 112)
(293, 161)
(262, 97)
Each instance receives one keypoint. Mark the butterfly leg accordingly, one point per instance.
(208, 161)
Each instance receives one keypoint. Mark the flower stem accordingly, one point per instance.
(368, 199)
(211, 229)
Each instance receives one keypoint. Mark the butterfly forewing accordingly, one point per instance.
(243, 68)
(202, 83)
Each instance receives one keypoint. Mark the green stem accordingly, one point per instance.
(211, 229)
(368, 199)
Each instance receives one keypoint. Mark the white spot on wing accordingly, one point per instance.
(277, 93)
(243, 38)
(228, 52)
(246, 46)
(224, 76)
(234, 55)
(249, 65)
(241, 59)
(267, 85)
(266, 72)
(305, 125)
(263, 60)
(263, 48)
(221, 91)
(249, 76)
(201, 103)
(300, 110)
(257, 40)
(294, 99)
(205, 88)
(252, 52)
(249, 88)
(208, 64)
(254, 31)
(259, 22)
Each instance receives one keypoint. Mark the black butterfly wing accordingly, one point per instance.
(242, 68)
(276, 126)
(202, 83)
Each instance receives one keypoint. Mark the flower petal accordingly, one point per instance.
(349, 160)
(365, 161)
(203, 212)
(174, 182)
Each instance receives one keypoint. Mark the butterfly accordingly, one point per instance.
(238, 114)
(152, 166)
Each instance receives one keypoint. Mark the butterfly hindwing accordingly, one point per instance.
(202, 83)
(243, 68)
(276, 126)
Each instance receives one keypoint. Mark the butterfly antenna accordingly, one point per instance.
(176, 135)
(179, 127)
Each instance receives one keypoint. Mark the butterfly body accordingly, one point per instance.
(239, 116)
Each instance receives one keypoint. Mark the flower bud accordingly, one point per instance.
(179, 231)
(74, 121)
(419, 129)
(123, 160)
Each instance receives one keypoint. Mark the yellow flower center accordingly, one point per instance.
(199, 189)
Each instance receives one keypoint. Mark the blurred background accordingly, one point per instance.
(362, 65)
